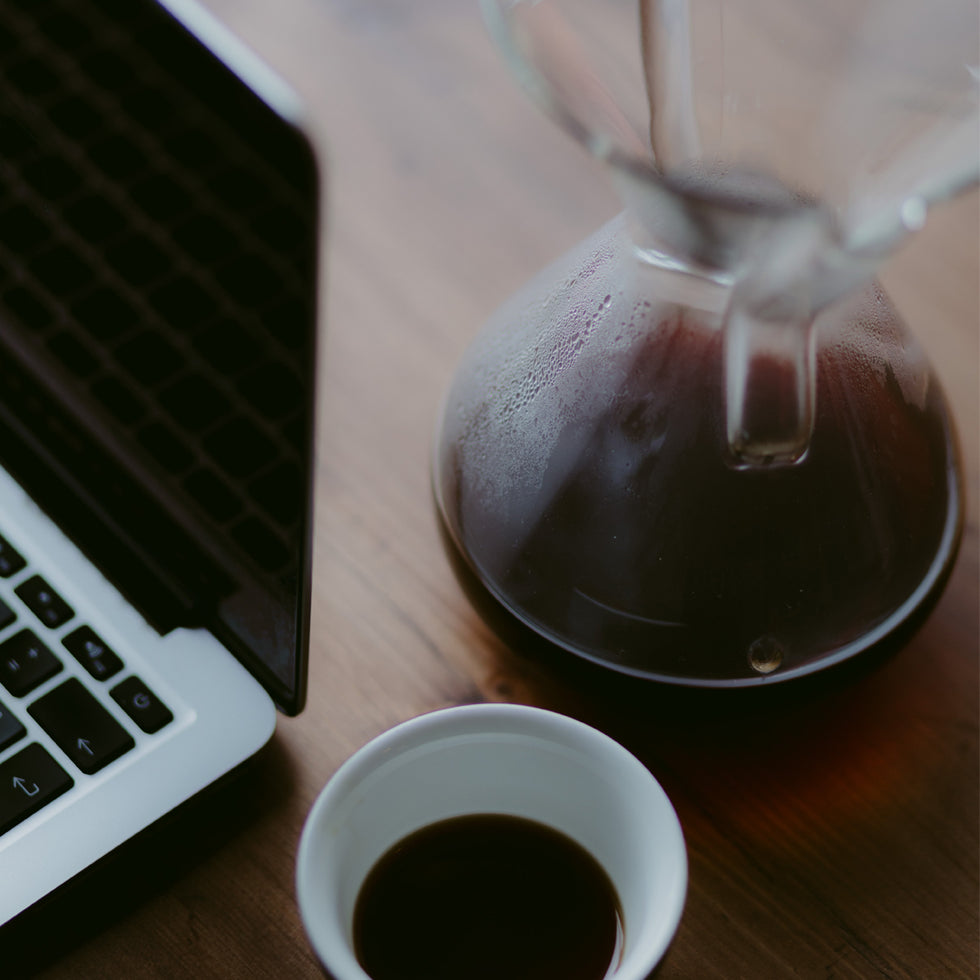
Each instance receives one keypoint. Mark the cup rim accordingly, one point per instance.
(491, 719)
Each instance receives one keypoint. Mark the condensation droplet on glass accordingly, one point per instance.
(765, 655)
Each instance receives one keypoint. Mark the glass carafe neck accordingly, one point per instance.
(768, 263)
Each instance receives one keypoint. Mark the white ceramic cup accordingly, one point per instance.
(494, 758)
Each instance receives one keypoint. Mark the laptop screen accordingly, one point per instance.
(158, 230)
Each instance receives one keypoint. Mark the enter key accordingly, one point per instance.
(29, 780)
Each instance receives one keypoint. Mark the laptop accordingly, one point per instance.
(158, 240)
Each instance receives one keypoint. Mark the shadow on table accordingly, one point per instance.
(770, 740)
(145, 866)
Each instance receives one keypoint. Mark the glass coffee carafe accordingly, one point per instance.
(702, 447)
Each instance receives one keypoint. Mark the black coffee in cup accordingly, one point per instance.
(487, 897)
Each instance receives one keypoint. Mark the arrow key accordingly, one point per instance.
(29, 780)
(82, 728)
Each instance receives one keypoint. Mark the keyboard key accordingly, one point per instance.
(280, 227)
(15, 138)
(74, 353)
(96, 219)
(118, 156)
(194, 403)
(22, 229)
(149, 358)
(91, 652)
(138, 259)
(25, 662)
(239, 448)
(52, 177)
(214, 495)
(205, 237)
(193, 147)
(10, 728)
(225, 345)
(62, 270)
(82, 728)
(249, 279)
(161, 197)
(165, 446)
(29, 780)
(142, 705)
(32, 77)
(105, 314)
(44, 602)
(238, 187)
(108, 69)
(76, 117)
(266, 549)
(119, 399)
(183, 301)
(274, 390)
(11, 561)
(7, 615)
(30, 308)
(280, 492)
(66, 29)
(146, 100)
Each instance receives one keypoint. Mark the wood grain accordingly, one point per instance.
(830, 836)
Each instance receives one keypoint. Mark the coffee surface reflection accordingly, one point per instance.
(487, 896)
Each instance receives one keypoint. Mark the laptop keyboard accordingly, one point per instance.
(39, 635)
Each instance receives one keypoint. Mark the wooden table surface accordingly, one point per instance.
(833, 836)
